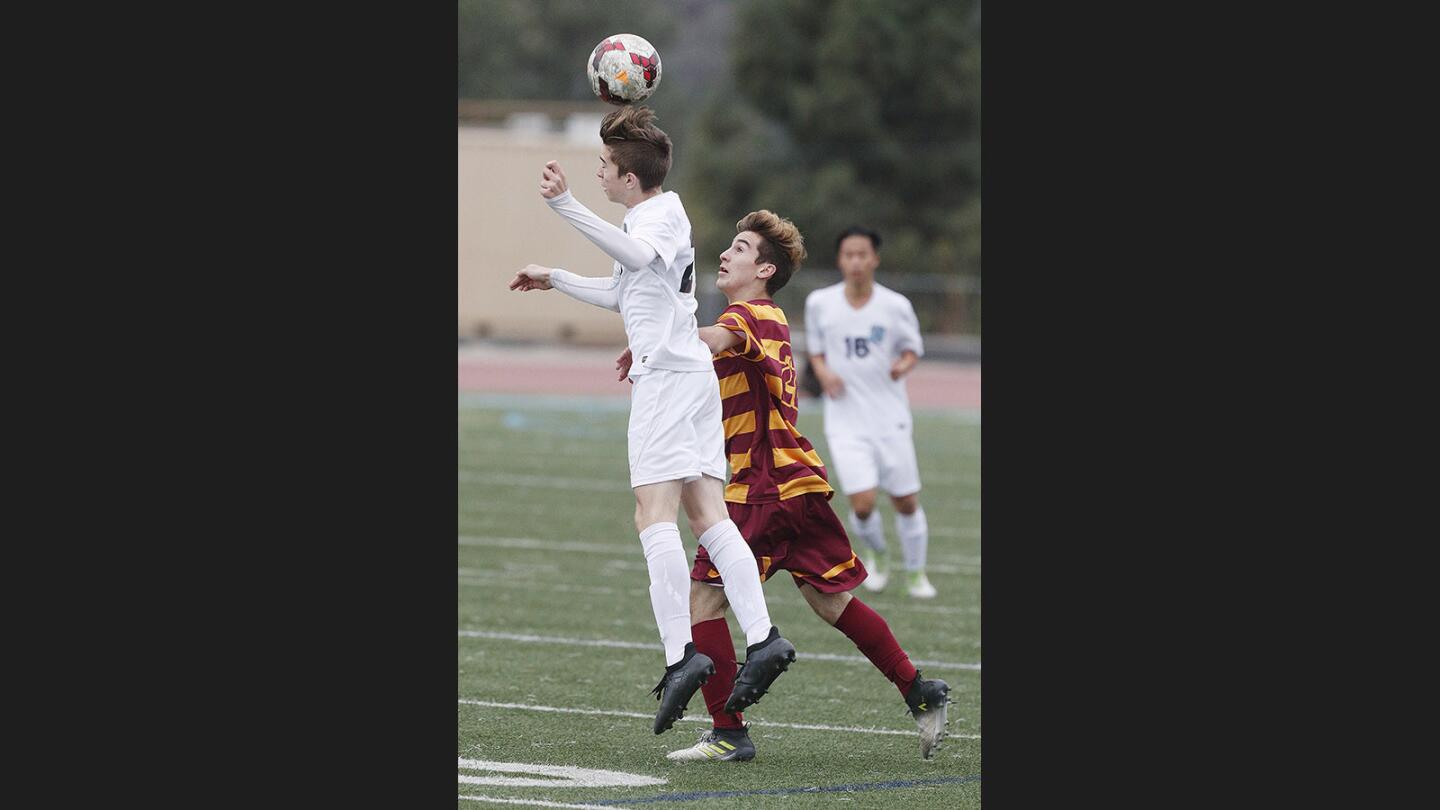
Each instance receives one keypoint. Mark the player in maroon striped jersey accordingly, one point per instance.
(779, 494)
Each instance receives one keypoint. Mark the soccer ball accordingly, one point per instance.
(624, 69)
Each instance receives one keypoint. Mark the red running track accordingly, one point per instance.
(591, 372)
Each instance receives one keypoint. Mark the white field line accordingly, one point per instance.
(556, 588)
(702, 719)
(538, 803)
(624, 559)
(561, 775)
(632, 552)
(529, 638)
(536, 544)
(506, 511)
(473, 579)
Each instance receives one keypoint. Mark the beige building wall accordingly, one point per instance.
(505, 225)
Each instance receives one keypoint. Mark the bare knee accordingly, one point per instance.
(698, 526)
(645, 518)
(707, 602)
(827, 606)
(656, 503)
(863, 503)
(907, 504)
(704, 504)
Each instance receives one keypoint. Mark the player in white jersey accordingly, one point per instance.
(863, 338)
(676, 435)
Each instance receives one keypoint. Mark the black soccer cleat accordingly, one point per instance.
(928, 701)
(718, 745)
(763, 664)
(678, 685)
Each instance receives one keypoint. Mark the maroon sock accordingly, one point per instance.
(713, 639)
(872, 635)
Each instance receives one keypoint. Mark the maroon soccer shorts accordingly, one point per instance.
(801, 535)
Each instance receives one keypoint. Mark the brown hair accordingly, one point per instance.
(637, 145)
(781, 245)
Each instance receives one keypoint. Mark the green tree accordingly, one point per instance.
(846, 111)
(536, 49)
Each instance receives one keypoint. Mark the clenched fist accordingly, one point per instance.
(552, 181)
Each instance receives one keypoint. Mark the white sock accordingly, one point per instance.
(669, 587)
(871, 530)
(914, 538)
(733, 558)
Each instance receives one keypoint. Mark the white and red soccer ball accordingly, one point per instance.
(624, 69)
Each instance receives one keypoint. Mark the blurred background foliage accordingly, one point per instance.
(829, 112)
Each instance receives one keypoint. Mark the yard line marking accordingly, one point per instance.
(633, 552)
(582, 642)
(726, 794)
(539, 803)
(699, 719)
(560, 775)
(536, 544)
(635, 645)
(557, 588)
(472, 579)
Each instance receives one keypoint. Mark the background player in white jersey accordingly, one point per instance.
(863, 338)
(676, 437)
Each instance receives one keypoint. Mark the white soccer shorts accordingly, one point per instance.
(865, 462)
(675, 428)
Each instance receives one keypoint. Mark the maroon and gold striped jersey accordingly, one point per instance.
(769, 459)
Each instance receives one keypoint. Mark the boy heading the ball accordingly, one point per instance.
(676, 446)
(779, 494)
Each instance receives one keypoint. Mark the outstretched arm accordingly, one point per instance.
(602, 292)
(618, 245)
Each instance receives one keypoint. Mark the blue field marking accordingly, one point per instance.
(727, 794)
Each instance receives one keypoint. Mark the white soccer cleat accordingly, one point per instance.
(920, 587)
(718, 745)
(877, 576)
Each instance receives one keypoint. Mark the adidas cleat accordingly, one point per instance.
(763, 664)
(678, 685)
(718, 745)
(928, 701)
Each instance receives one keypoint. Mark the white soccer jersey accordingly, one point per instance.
(656, 300)
(860, 345)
